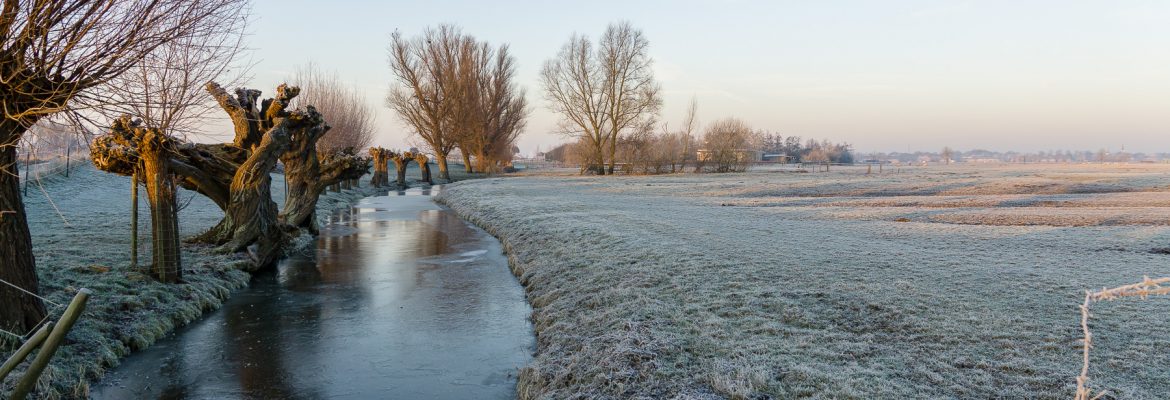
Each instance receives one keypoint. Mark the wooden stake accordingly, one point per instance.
(25, 349)
(72, 313)
(134, 220)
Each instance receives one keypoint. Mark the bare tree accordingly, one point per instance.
(604, 92)
(350, 117)
(574, 85)
(494, 106)
(166, 89)
(730, 145)
(164, 93)
(53, 52)
(947, 153)
(631, 93)
(426, 68)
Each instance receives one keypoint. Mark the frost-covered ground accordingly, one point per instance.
(936, 282)
(81, 238)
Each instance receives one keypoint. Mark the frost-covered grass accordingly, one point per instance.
(87, 245)
(938, 282)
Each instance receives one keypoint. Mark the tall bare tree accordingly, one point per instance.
(631, 93)
(495, 108)
(574, 84)
(603, 93)
(54, 51)
(350, 117)
(426, 68)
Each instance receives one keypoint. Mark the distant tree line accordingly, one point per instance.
(726, 145)
(799, 150)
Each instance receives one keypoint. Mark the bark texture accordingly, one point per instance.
(302, 171)
(252, 210)
(154, 150)
(401, 162)
(424, 167)
(19, 311)
(381, 160)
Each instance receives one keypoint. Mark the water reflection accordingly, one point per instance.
(404, 300)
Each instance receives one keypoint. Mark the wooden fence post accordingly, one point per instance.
(25, 349)
(72, 313)
(134, 220)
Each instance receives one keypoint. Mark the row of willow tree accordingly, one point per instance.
(150, 67)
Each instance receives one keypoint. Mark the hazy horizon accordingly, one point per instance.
(886, 77)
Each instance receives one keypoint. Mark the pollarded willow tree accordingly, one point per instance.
(53, 52)
(236, 176)
(165, 94)
(605, 92)
(152, 149)
(381, 160)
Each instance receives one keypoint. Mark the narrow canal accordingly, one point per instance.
(404, 300)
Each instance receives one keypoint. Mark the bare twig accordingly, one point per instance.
(1147, 287)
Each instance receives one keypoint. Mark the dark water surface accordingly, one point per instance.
(405, 300)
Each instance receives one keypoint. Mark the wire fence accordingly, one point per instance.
(51, 308)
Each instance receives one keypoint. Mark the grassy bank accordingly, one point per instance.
(954, 282)
(81, 238)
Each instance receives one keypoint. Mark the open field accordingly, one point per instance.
(936, 282)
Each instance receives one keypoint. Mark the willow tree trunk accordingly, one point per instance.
(441, 159)
(467, 162)
(379, 178)
(19, 311)
(302, 170)
(401, 162)
(612, 153)
(482, 163)
(154, 151)
(424, 168)
(252, 209)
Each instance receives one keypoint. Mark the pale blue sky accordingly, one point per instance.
(883, 75)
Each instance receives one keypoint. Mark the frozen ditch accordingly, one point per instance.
(404, 300)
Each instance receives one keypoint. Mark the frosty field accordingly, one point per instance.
(935, 282)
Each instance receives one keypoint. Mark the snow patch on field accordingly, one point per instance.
(933, 283)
